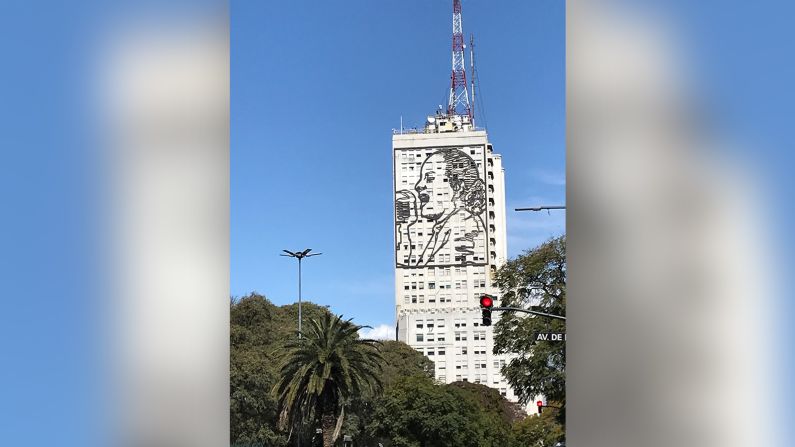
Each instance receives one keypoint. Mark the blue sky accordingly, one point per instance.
(308, 78)
(317, 88)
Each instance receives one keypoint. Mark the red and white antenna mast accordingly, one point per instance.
(458, 103)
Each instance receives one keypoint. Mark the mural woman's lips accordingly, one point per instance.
(425, 198)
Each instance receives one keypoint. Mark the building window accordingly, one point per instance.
(419, 337)
(419, 324)
(441, 351)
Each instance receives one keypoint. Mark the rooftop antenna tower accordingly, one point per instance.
(458, 103)
(472, 76)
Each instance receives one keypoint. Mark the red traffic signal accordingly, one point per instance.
(486, 303)
(540, 405)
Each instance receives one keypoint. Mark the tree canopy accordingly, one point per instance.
(323, 371)
(536, 279)
(411, 410)
(417, 412)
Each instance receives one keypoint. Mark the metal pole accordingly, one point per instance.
(534, 312)
(299, 299)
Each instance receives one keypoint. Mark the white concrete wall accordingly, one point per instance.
(432, 319)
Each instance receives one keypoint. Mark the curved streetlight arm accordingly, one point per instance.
(540, 208)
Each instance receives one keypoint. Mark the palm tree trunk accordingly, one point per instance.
(327, 423)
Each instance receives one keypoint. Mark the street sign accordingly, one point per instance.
(550, 336)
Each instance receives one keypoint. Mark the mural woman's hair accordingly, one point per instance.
(464, 178)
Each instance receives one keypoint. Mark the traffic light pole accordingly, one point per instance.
(534, 312)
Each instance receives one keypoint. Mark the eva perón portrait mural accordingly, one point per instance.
(440, 207)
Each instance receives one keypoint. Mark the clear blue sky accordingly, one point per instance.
(317, 88)
(309, 80)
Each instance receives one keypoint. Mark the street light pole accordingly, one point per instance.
(300, 255)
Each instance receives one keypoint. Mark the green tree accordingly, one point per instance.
(400, 360)
(536, 278)
(321, 373)
(258, 331)
(253, 409)
(538, 431)
(491, 401)
(416, 412)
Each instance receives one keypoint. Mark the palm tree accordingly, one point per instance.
(322, 371)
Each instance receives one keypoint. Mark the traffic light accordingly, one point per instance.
(486, 303)
(540, 405)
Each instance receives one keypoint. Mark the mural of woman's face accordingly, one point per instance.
(431, 181)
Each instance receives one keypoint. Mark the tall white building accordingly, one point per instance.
(450, 238)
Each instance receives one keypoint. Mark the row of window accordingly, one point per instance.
(477, 336)
(446, 271)
(414, 154)
(458, 323)
(415, 299)
(419, 245)
(432, 285)
(458, 350)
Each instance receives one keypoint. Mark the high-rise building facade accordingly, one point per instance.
(450, 238)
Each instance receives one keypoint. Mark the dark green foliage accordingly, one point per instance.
(411, 410)
(416, 412)
(401, 360)
(535, 278)
(490, 400)
(258, 329)
(322, 372)
(538, 431)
